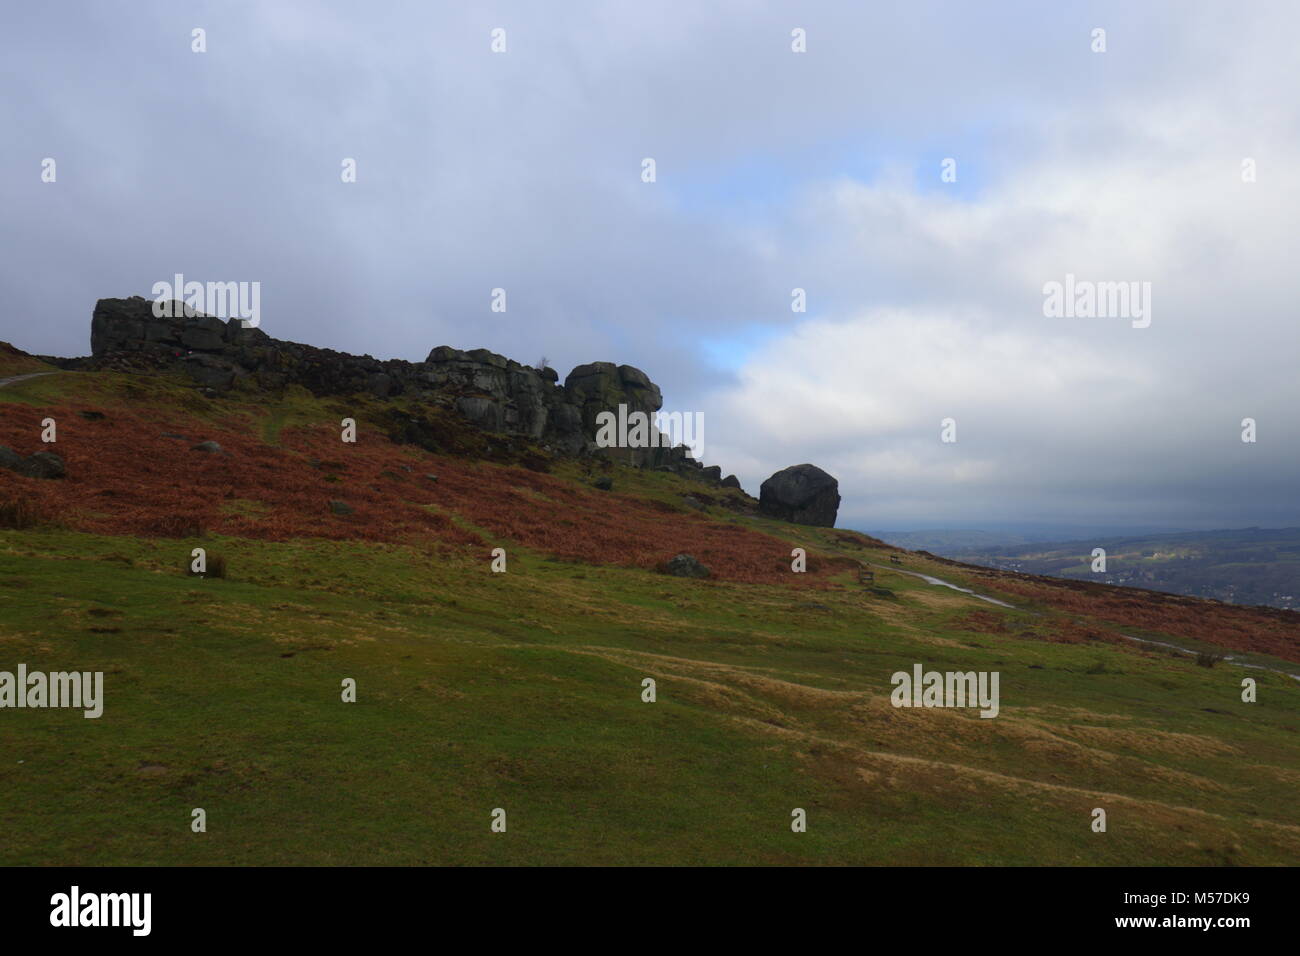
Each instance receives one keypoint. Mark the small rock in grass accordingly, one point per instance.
(686, 566)
(44, 464)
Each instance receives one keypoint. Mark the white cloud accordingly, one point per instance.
(1120, 421)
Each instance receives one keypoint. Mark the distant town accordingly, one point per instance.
(1253, 566)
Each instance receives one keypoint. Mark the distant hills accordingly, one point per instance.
(946, 540)
(950, 542)
(1240, 566)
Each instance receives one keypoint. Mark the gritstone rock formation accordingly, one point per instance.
(496, 395)
(491, 391)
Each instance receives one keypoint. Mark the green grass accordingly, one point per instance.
(523, 691)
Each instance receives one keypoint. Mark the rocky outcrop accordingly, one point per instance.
(802, 494)
(603, 386)
(504, 402)
(218, 355)
(500, 395)
(495, 394)
(623, 391)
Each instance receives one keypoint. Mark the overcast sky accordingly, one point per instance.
(775, 170)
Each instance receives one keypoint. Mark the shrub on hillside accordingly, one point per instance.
(176, 526)
(19, 513)
(1099, 667)
(216, 567)
(1208, 658)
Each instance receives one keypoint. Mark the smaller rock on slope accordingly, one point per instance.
(686, 566)
(43, 464)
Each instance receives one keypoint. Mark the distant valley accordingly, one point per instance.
(1243, 566)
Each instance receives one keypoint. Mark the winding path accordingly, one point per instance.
(947, 584)
(22, 378)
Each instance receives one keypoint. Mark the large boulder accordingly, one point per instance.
(801, 494)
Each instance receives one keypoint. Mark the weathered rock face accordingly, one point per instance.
(129, 325)
(494, 393)
(802, 494)
(603, 386)
(625, 391)
(500, 395)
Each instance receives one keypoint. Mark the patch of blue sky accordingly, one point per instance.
(751, 187)
(732, 351)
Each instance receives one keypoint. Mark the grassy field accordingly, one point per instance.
(523, 691)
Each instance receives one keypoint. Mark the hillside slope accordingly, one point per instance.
(523, 690)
